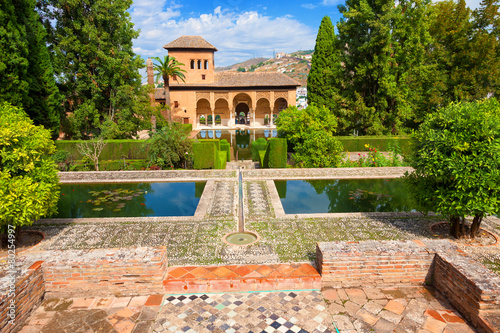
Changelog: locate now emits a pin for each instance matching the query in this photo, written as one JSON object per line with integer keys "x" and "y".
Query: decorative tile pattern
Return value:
{"x": 263, "y": 312}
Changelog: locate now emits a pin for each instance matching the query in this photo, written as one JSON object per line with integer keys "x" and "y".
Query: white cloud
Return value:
{"x": 237, "y": 35}
{"x": 308, "y": 6}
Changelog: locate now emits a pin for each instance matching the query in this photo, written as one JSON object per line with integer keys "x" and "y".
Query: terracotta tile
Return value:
{"x": 190, "y": 268}
{"x": 264, "y": 270}
{"x": 253, "y": 274}
{"x": 451, "y": 317}
{"x": 154, "y": 300}
{"x": 199, "y": 272}
{"x": 367, "y": 317}
{"x": 137, "y": 301}
{"x": 395, "y": 307}
{"x": 285, "y": 269}
{"x": 188, "y": 276}
{"x": 434, "y": 326}
{"x": 330, "y": 294}
{"x": 125, "y": 313}
{"x": 121, "y": 302}
{"x": 355, "y": 293}
{"x": 102, "y": 303}
{"x": 253, "y": 267}
{"x": 82, "y": 303}
{"x": 275, "y": 274}
{"x": 434, "y": 314}
{"x": 242, "y": 270}
{"x": 177, "y": 272}
{"x": 308, "y": 269}
{"x": 221, "y": 271}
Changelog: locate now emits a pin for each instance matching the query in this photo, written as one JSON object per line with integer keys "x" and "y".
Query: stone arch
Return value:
{"x": 203, "y": 109}
{"x": 222, "y": 110}
{"x": 263, "y": 108}
{"x": 242, "y": 103}
{"x": 192, "y": 64}
{"x": 279, "y": 105}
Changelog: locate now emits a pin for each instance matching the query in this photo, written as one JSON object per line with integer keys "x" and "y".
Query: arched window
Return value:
{"x": 192, "y": 64}
{"x": 206, "y": 64}
{"x": 199, "y": 64}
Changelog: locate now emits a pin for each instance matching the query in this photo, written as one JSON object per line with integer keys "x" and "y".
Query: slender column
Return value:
{"x": 231, "y": 113}
{"x": 271, "y": 122}
{"x": 252, "y": 116}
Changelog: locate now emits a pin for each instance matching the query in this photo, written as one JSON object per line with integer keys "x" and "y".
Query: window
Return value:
{"x": 203, "y": 76}
{"x": 176, "y": 104}
{"x": 206, "y": 64}
{"x": 199, "y": 64}
{"x": 192, "y": 64}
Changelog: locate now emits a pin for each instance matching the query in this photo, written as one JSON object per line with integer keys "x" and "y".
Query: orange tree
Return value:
{"x": 456, "y": 158}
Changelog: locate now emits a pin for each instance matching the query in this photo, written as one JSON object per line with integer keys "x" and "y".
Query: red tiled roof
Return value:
{"x": 189, "y": 42}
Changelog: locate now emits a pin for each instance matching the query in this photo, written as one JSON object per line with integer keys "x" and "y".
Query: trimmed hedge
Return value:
{"x": 382, "y": 143}
{"x": 114, "y": 149}
{"x": 262, "y": 156}
{"x": 276, "y": 153}
{"x": 221, "y": 161}
{"x": 256, "y": 146}
{"x": 215, "y": 141}
{"x": 225, "y": 146}
{"x": 205, "y": 155}
{"x": 187, "y": 127}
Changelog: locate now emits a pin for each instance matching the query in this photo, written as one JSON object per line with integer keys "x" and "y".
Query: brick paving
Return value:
{"x": 411, "y": 309}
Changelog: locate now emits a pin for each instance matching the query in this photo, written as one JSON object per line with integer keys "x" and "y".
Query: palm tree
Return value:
{"x": 167, "y": 68}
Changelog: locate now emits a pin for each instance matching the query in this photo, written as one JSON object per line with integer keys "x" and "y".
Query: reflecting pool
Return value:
{"x": 343, "y": 196}
{"x": 129, "y": 199}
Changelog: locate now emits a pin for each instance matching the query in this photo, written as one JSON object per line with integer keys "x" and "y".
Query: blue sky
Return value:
{"x": 239, "y": 29}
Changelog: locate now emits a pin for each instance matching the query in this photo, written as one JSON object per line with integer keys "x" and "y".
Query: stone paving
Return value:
{"x": 412, "y": 310}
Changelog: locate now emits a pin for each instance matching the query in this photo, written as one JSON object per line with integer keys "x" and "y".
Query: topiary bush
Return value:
{"x": 225, "y": 146}
{"x": 205, "y": 155}
{"x": 256, "y": 146}
{"x": 221, "y": 161}
{"x": 276, "y": 153}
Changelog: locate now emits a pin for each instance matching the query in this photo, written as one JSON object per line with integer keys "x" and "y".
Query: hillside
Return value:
{"x": 292, "y": 65}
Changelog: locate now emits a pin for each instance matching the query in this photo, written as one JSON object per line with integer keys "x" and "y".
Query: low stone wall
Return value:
{"x": 373, "y": 263}
{"x": 102, "y": 272}
{"x": 469, "y": 286}
{"x": 29, "y": 291}
{"x": 146, "y": 175}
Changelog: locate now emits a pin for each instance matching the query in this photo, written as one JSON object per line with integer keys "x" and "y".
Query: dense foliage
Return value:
{"x": 26, "y": 74}
{"x": 205, "y": 155}
{"x": 170, "y": 147}
{"x": 456, "y": 158}
{"x": 311, "y": 135}
{"x": 276, "y": 154}
{"x": 96, "y": 69}
{"x": 392, "y": 62}
{"x": 256, "y": 146}
{"x": 29, "y": 186}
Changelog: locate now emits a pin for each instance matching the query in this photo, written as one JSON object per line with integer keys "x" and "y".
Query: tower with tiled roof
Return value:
{"x": 197, "y": 55}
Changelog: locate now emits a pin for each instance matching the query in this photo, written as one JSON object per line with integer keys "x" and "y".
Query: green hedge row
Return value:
{"x": 221, "y": 161}
{"x": 109, "y": 165}
{"x": 382, "y": 143}
{"x": 276, "y": 153}
{"x": 205, "y": 156}
{"x": 256, "y": 146}
{"x": 114, "y": 149}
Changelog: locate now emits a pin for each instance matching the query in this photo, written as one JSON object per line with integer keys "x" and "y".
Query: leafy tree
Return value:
{"x": 386, "y": 74}
{"x": 29, "y": 186}
{"x": 97, "y": 71}
{"x": 241, "y": 69}
{"x": 167, "y": 68}
{"x": 167, "y": 147}
{"x": 26, "y": 75}
{"x": 456, "y": 158}
{"x": 325, "y": 66}
{"x": 319, "y": 150}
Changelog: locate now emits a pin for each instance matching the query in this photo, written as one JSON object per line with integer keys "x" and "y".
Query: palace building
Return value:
{"x": 208, "y": 99}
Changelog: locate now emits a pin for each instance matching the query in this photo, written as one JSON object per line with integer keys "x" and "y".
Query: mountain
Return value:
{"x": 296, "y": 65}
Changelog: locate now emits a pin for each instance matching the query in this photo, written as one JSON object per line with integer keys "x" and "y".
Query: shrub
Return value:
{"x": 170, "y": 147}
{"x": 319, "y": 150}
{"x": 205, "y": 155}
{"x": 456, "y": 157}
{"x": 276, "y": 153}
{"x": 262, "y": 156}
{"x": 225, "y": 146}
{"x": 256, "y": 146}
{"x": 221, "y": 162}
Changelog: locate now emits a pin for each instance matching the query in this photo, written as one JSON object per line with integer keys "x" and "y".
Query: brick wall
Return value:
{"x": 372, "y": 263}
{"x": 100, "y": 272}
{"x": 28, "y": 296}
{"x": 469, "y": 286}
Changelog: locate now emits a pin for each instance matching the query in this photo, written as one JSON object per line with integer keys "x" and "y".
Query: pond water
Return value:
{"x": 343, "y": 196}
{"x": 129, "y": 199}
{"x": 239, "y": 139}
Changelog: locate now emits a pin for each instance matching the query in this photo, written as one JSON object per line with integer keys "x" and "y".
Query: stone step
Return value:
{"x": 238, "y": 278}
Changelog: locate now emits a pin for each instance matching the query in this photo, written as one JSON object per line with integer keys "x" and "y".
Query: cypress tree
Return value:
{"x": 26, "y": 75}
{"x": 321, "y": 88}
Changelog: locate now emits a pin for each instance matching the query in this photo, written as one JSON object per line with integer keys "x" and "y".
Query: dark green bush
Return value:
{"x": 276, "y": 153}
{"x": 256, "y": 146}
{"x": 205, "y": 154}
{"x": 187, "y": 128}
